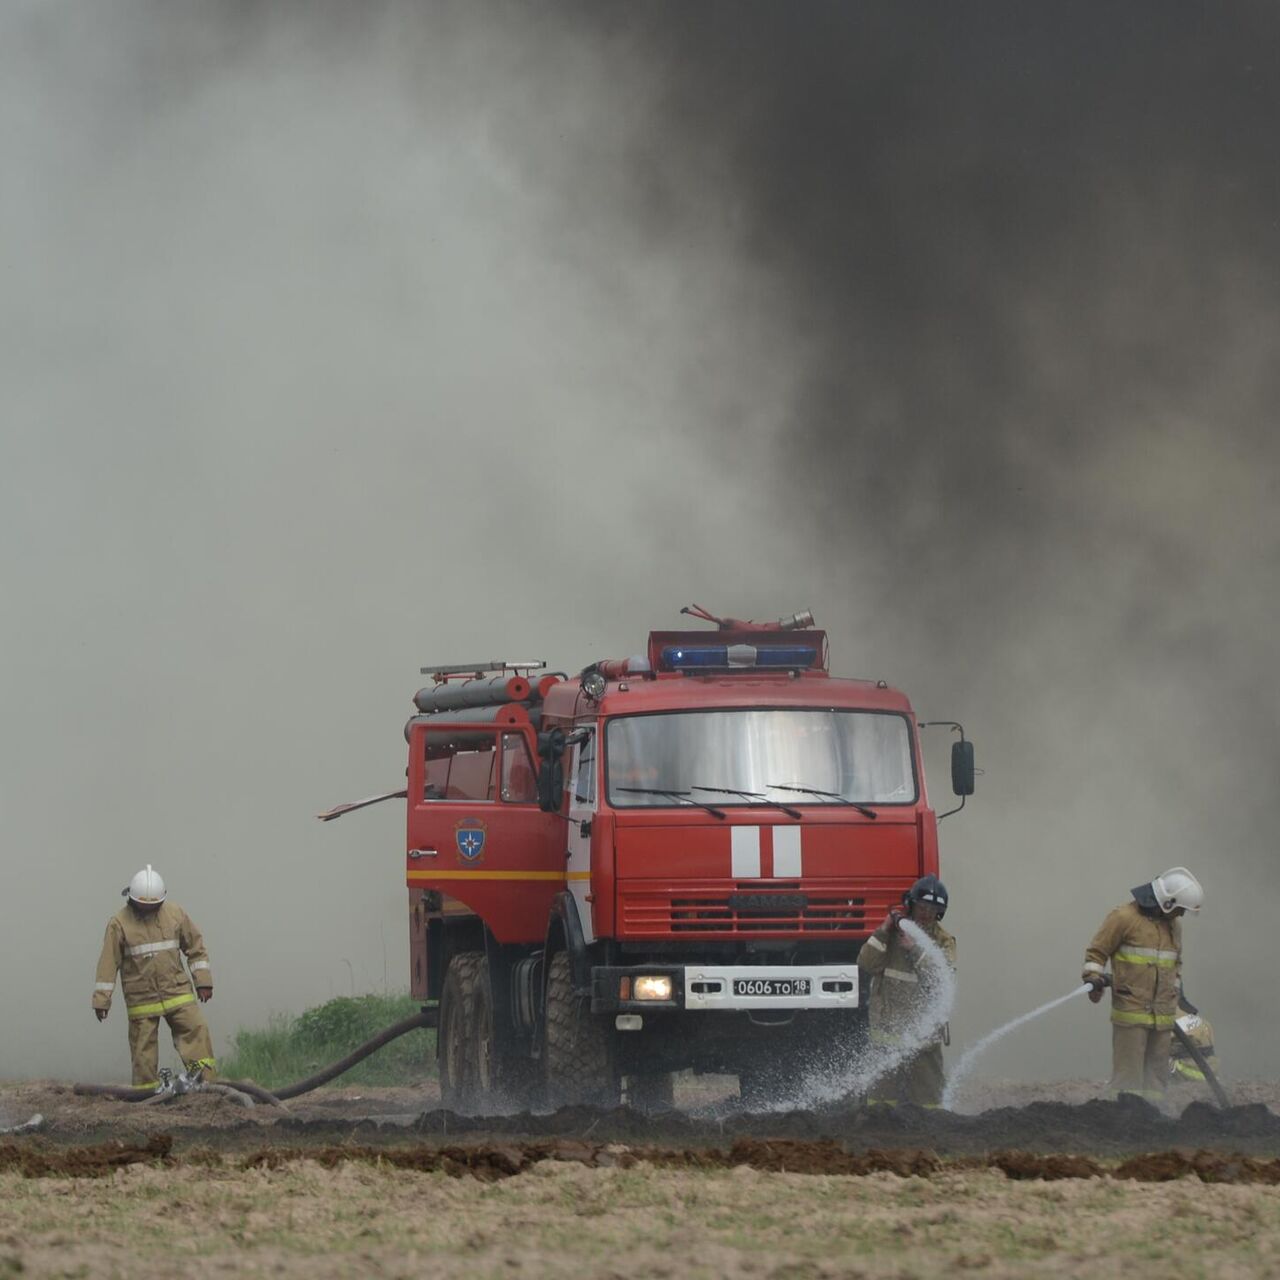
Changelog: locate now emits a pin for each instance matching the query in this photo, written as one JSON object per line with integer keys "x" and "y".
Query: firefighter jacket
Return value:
{"x": 147, "y": 950}
{"x": 897, "y": 991}
{"x": 1145, "y": 951}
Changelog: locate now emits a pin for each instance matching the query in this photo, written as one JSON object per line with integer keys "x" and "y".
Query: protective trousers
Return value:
{"x": 917, "y": 1080}
{"x": 190, "y": 1039}
{"x": 1140, "y": 1059}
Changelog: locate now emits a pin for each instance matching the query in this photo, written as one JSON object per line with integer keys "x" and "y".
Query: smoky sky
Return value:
{"x": 1027, "y": 261}
{"x": 339, "y": 340}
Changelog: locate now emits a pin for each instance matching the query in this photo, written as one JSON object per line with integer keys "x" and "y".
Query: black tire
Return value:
{"x": 652, "y": 1092}
{"x": 578, "y": 1059}
{"x": 465, "y": 1044}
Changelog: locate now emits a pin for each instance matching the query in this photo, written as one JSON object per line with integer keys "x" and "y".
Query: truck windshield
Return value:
{"x": 858, "y": 757}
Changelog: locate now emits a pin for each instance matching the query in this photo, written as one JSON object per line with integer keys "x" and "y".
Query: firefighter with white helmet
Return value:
{"x": 900, "y": 990}
{"x": 1142, "y": 941}
{"x": 145, "y": 942}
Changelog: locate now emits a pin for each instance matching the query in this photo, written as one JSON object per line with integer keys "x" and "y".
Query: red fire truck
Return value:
{"x": 665, "y": 862}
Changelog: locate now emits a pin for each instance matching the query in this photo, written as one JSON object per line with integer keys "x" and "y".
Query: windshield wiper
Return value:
{"x": 830, "y": 795}
{"x": 677, "y": 795}
{"x": 755, "y": 798}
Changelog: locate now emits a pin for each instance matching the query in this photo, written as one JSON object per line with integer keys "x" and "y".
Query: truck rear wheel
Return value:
{"x": 578, "y": 1055}
{"x": 465, "y": 1046}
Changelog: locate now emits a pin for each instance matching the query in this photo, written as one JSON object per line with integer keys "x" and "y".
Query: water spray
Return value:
{"x": 971, "y": 1054}
{"x": 856, "y": 1073}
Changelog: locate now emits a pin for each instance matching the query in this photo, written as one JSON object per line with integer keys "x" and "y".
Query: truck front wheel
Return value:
{"x": 465, "y": 1046}
{"x": 578, "y": 1053}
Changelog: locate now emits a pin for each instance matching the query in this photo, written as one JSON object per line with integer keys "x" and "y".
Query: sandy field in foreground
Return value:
{"x": 379, "y": 1182}
{"x": 564, "y": 1219}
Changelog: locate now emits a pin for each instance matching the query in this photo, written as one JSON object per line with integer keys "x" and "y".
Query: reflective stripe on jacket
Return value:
{"x": 146, "y": 951}
{"x": 1145, "y": 952}
{"x": 896, "y": 991}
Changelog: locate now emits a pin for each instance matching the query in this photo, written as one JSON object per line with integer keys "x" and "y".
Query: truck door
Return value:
{"x": 475, "y": 831}
{"x": 581, "y": 785}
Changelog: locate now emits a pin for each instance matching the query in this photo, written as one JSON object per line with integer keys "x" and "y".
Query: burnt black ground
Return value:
{"x": 1064, "y": 1117}
{"x": 1126, "y": 1127}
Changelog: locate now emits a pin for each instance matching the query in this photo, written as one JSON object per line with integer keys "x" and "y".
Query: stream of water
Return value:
{"x": 854, "y": 1073}
{"x": 962, "y": 1068}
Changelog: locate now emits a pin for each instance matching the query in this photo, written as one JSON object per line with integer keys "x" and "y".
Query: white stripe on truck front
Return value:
{"x": 745, "y": 849}
{"x": 786, "y": 853}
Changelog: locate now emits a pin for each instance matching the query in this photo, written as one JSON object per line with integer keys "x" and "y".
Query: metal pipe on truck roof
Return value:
{"x": 487, "y": 691}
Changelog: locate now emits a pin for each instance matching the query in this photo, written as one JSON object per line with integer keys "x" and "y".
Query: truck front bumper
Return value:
{"x": 716, "y": 987}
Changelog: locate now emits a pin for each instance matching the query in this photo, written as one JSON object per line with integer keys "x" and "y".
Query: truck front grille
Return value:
{"x": 783, "y": 908}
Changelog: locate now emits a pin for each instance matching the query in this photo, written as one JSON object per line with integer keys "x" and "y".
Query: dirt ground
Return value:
{"x": 562, "y": 1217}
{"x": 1038, "y": 1180}
{"x": 1068, "y": 1117}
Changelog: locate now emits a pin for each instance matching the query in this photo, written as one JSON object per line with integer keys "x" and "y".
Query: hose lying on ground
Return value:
{"x": 393, "y": 1032}
{"x": 254, "y": 1090}
{"x": 121, "y": 1092}
{"x": 230, "y": 1092}
{"x": 124, "y": 1093}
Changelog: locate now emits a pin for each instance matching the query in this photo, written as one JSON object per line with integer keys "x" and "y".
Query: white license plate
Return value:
{"x": 771, "y": 986}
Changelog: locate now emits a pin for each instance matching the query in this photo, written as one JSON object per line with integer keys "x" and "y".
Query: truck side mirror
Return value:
{"x": 962, "y": 769}
{"x": 550, "y": 769}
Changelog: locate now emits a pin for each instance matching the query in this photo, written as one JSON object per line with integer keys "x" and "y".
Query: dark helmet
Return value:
{"x": 928, "y": 889}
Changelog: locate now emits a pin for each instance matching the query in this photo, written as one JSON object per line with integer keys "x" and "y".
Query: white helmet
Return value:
{"x": 1177, "y": 887}
{"x": 146, "y": 888}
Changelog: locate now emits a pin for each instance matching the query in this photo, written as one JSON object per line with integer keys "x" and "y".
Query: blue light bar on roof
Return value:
{"x": 734, "y": 656}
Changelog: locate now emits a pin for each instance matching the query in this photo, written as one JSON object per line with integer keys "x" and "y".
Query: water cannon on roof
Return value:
{"x": 741, "y": 645}
{"x": 795, "y": 622}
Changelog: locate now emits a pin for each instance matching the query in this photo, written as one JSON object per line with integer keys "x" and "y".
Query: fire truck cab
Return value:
{"x": 666, "y": 862}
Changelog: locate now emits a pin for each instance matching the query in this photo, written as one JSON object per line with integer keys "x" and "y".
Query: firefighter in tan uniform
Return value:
{"x": 900, "y": 991}
{"x": 146, "y": 940}
{"x": 1143, "y": 942}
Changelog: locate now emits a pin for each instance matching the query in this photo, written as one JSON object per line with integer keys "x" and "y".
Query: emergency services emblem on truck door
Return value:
{"x": 469, "y": 836}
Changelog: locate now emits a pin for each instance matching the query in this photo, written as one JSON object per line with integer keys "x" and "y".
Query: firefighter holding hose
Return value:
{"x": 145, "y": 942}
{"x": 898, "y": 995}
{"x": 1142, "y": 940}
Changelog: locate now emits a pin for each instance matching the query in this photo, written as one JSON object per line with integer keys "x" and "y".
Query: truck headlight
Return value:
{"x": 651, "y": 986}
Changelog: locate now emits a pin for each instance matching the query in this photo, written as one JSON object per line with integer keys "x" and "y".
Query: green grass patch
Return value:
{"x": 292, "y": 1048}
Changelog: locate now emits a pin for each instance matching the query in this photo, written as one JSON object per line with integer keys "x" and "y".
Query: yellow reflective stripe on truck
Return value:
{"x": 161, "y": 1006}
{"x": 427, "y": 877}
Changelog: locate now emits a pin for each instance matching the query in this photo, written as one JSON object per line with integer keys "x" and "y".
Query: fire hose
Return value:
{"x": 1203, "y": 1063}
{"x": 171, "y": 1086}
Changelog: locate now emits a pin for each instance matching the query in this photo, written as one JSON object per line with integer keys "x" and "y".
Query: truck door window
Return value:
{"x": 519, "y": 782}
{"x": 584, "y": 784}
{"x": 460, "y": 769}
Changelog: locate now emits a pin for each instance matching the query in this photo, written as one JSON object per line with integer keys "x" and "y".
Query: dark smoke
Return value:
{"x": 1027, "y": 264}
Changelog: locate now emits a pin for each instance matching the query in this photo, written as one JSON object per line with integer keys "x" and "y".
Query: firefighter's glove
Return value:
{"x": 893, "y": 920}
{"x": 102, "y": 1014}
{"x": 205, "y": 994}
{"x": 1096, "y": 988}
